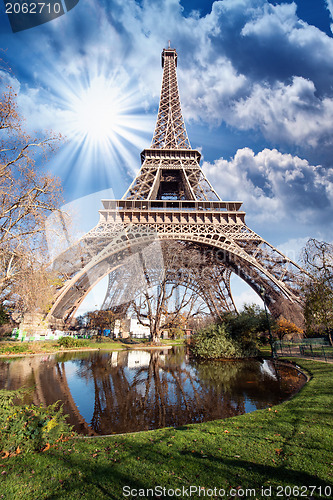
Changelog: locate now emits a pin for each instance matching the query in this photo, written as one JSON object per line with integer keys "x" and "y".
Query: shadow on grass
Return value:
{"x": 106, "y": 478}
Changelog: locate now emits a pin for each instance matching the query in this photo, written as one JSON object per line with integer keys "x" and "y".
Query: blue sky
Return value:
{"x": 256, "y": 86}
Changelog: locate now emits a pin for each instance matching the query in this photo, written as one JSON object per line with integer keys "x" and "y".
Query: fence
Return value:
{"x": 309, "y": 348}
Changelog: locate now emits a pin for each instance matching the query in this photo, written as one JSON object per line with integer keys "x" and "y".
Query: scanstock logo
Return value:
{"x": 25, "y": 14}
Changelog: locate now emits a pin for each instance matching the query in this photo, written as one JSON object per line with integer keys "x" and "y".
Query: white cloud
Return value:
{"x": 8, "y": 81}
{"x": 210, "y": 96}
{"x": 271, "y": 19}
{"x": 284, "y": 106}
{"x": 329, "y": 5}
{"x": 288, "y": 113}
{"x": 274, "y": 186}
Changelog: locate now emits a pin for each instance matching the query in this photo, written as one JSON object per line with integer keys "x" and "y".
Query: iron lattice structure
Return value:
{"x": 171, "y": 199}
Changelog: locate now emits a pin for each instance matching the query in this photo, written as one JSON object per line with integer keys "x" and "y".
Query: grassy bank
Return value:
{"x": 288, "y": 445}
{"x": 51, "y": 346}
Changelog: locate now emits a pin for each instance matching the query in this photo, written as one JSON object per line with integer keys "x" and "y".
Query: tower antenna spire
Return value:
{"x": 170, "y": 131}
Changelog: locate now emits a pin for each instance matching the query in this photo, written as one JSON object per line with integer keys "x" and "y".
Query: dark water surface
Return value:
{"x": 105, "y": 393}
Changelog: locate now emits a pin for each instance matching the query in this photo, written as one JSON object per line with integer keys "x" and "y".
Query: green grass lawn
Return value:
{"x": 289, "y": 445}
{"x": 50, "y": 346}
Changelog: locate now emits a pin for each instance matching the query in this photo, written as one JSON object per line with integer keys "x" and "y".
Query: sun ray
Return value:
{"x": 106, "y": 126}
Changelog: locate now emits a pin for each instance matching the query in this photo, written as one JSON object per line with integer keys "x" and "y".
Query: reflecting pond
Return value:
{"x": 126, "y": 391}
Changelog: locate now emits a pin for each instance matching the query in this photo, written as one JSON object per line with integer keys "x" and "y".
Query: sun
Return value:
{"x": 96, "y": 112}
{"x": 105, "y": 124}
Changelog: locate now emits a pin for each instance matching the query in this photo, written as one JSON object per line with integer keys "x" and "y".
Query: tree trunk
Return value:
{"x": 156, "y": 336}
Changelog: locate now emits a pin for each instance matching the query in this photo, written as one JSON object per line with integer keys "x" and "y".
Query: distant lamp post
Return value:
{"x": 262, "y": 293}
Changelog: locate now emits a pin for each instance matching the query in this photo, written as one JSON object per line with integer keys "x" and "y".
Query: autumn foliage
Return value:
{"x": 286, "y": 328}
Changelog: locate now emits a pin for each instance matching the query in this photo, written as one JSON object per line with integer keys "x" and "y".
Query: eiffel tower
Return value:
{"x": 171, "y": 201}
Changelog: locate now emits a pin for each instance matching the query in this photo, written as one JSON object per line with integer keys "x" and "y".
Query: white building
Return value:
{"x": 138, "y": 330}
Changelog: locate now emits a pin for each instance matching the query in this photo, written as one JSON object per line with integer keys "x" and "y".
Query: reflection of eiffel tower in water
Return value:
{"x": 171, "y": 199}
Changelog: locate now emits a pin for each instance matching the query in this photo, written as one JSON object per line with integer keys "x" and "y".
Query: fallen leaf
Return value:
{"x": 46, "y": 447}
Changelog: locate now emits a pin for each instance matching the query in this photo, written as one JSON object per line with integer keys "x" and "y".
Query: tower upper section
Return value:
{"x": 170, "y": 168}
{"x": 170, "y": 131}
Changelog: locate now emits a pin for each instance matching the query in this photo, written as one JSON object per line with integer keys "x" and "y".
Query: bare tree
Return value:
{"x": 317, "y": 259}
{"x": 27, "y": 196}
{"x": 101, "y": 319}
{"x": 168, "y": 295}
{"x": 33, "y": 287}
